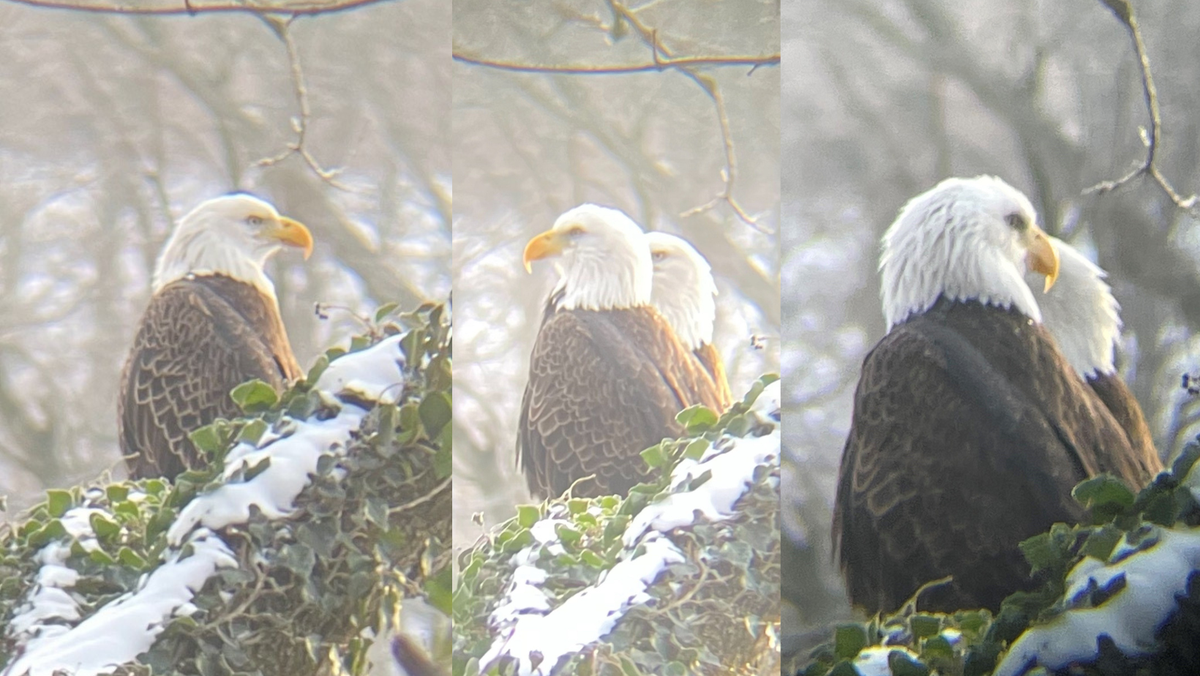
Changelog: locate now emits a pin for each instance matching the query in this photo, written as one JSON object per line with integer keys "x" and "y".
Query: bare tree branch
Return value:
{"x": 191, "y": 8}
{"x": 663, "y": 59}
{"x": 659, "y": 64}
{"x": 650, "y": 37}
{"x": 282, "y": 28}
{"x": 1124, "y": 11}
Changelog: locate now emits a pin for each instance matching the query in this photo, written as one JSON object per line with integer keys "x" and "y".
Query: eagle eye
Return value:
{"x": 575, "y": 231}
{"x": 1017, "y": 222}
{"x": 658, "y": 255}
{"x": 254, "y": 220}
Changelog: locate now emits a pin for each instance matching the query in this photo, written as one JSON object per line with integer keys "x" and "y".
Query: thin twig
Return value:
{"x": 729, "y": 174}
{"x": 190, "y": 8}
{"x": 446, "y": 483}
{"x": 1124, "y": 11}
{"x": 649, "y": 36}
{"x": 659, "y": 64}
{"x": 282, "y": 28}
{"x": 662, "y": 59}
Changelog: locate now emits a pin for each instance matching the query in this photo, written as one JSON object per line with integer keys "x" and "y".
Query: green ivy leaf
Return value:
{"x": 435, "y": 412}
{"x": 527, "y": 515}
{"x": 1103, "y": 493}
{"x": 654, "y": 456}
{"x": 696, "y": 448}
{"x": 923, "y": 625}
{"x": 849, "y": 640}
{"x": 253, "y": 431}
{"x": 568, "y": 534}
{"x": 696, "y": 419}
{"x": 901, "y": 664}
{"x": 105, "y": 529}
{"x": 443, "y": 459}
{"x": 254, "y": 396}
{"x": 385, "y": 310}
{"x": 52, "y": 530}
{"x": 58, "y": 502}
{"x": 319, "y": 365}
{"x": 206, "y": 439}
{"x": 131, "y": 558}
{"x": 438, "y": 590}
{"x": 119, "y": 492}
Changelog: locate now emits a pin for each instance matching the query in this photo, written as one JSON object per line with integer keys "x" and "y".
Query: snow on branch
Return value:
{"x": 681, "y": 575}
{"x": 315, "y": 507}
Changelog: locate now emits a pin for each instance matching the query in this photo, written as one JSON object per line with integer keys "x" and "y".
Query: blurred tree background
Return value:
{"x": 884, "y": 99}
{"x": 111, "y": 128}
{"x": 530, "y": 145}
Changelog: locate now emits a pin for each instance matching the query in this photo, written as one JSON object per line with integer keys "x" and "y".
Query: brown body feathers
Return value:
{"x": 603, "y": 386}
{"x": 200, "y": 337}
{"x": 969, "y": 432}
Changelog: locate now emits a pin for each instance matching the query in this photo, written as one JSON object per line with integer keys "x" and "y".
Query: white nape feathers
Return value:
{"x": 684, "y": 291}
{"x": 965, "y": 239}
{"x": 1081, "y": 312}
{"x": 233, "y": 235}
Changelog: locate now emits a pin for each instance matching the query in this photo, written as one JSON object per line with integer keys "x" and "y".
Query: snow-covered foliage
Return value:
{"x": 323, "y": 508}
{"x": 1121, "y": 594}
{"x": 680, "y": 577}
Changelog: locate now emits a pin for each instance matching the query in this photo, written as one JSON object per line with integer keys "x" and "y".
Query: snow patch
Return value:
{"x": 731, "y": 463}
{"x": 117, "y": 632}
{"x": 873, "y": 661}
{"x": 374, "y": 374}
{"x": 538, "y": 638}
{"x": 1153, "y": 575}
{"x": 581, "y": 619}
{"x": 369, "y": 374}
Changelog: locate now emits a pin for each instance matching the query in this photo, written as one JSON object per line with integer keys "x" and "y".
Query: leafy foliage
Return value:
{"x": 716, "y": 612}
{"x": 972, "y": 642}
{"x": 372, "y": 528}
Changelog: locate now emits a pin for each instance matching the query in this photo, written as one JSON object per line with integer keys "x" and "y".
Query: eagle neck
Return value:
{"x": 604, "y": 282}
{"x": 198, "y": 253}
{"x": 1082, "y": 314}
{"x": 917, "y": 273}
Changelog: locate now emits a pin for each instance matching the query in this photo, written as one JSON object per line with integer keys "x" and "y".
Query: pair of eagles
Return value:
{"x": 608, "y": 372}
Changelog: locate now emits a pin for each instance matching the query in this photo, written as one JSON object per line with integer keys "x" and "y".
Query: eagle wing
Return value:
{"x": 1119, "y": 400}
{"x": 711, "y": 360}
{"x": 952, "y": 460}
{"x": 603, "y": 386}
{"x": 194, "y": 345}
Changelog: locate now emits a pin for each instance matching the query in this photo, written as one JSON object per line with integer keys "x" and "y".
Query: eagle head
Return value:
{"x": 232, "y": 235}
{"x": 965, "y": 239}
{"x": 684, "y": 291}
{"x": 601, "y": 256}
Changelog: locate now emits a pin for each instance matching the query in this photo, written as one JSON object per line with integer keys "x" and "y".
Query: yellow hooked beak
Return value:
{"x": 549, "y": 243}
{"x": 1043, "y": 257}
{"x": 291, "y": 233}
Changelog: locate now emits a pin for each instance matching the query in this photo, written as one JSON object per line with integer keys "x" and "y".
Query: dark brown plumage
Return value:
{"x": 603, "y": 386}
{"x": 200, "y": 337}
{"x": 212, "y": 323}
{"x": 1123, "y": 406}
{"x": 970, "y": 431}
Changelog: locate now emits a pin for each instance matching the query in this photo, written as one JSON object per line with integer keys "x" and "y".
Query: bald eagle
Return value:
{"x": 1084, "y": 318}
{"x": 213, "y": 323}
{"x": 969, "y": 428}
{"x": 685, "y": 293}
{"x": 607, "y": 375}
